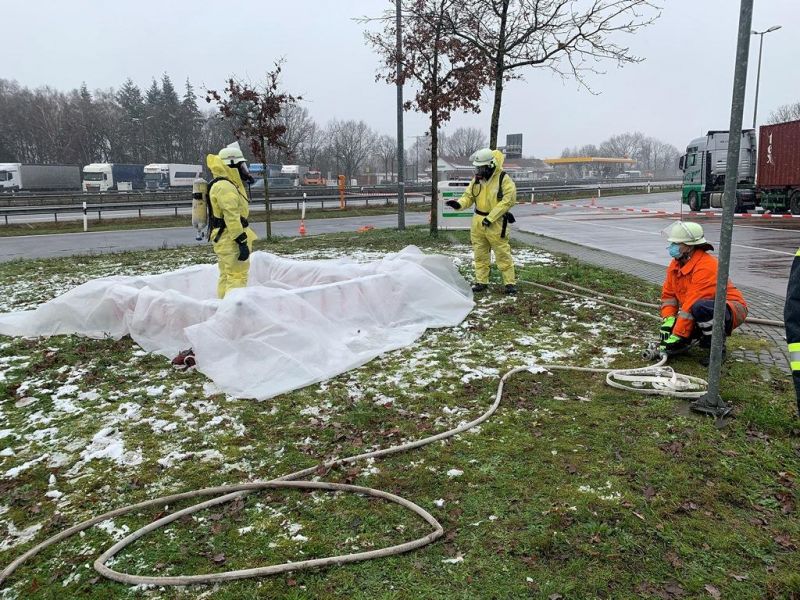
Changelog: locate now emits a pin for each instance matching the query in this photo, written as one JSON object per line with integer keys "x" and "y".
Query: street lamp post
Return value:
{"x": 758, "y": 76}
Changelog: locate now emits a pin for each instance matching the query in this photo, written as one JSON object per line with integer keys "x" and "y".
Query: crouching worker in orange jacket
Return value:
{"x": 687, "y": 296}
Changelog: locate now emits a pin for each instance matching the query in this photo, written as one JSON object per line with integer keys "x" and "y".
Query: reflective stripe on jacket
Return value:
{"x": 791, "y": 317}
{"x": 696, "y": 280}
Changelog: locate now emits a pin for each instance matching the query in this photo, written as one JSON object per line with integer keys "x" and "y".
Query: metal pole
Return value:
{"x": 401, "y": 175}
{"x": 712, "y": 403}
{"x": 758, "y": 77}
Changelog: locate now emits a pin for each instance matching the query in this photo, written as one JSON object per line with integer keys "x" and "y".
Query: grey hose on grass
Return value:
{"x": 750, "y": 320}
{"x": 663, "y": 381}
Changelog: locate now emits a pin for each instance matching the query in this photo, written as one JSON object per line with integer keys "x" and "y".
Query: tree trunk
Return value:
{"x": 498, "y": 98}
{"x": 499, "y": 70}
{"x": 434, "y": 229}
{"x": 267, "y": 205}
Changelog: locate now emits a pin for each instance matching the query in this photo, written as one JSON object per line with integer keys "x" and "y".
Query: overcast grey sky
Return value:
{"x": 682, "y": 89}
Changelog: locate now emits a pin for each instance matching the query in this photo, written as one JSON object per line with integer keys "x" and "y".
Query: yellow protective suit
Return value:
{"x": 483, "y": 195}
{"x": 229, "y": 202}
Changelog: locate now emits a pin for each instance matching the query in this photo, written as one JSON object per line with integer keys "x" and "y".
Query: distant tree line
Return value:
{"x": 48, "y": 126}
{"x": 650, "y": 154}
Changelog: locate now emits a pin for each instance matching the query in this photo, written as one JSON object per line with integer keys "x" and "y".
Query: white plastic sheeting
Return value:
{"x": 297, "y": 322}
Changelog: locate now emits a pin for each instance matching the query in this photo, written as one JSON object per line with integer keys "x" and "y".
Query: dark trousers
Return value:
{"x": 703, "y": 313}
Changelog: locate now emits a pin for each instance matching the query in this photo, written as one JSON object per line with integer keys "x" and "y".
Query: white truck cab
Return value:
{"x": 156, "y": 176}
{"x": 97, "y": 177}
{"x": 9, "y": 177}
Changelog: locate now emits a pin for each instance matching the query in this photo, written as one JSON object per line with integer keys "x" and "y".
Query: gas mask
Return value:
{"x": 244, "y": 173}
{"x": 484, "y": 172}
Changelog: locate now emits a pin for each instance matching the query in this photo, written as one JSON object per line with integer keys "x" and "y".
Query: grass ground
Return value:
{"x": 572, "y": 490}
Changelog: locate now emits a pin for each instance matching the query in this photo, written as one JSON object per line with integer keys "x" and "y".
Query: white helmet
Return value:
{"x": 232, "y": 155}
{"x": 482, "y": 157}
{"x": 687, "y": 233}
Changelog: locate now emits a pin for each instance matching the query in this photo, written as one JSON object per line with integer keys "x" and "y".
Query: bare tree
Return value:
{"x": 569, "y": 37}
{"x": 311, "y": 147}
{"x": 351, "y": 143}
{"x": 448, "y": 72}
{"x": 254, "y": 112}
{"x": 386, "y": 150}
{"x": 299, "y": 125}
{"x": 623, "y": 145}
{"x": 465, "y": 140}
{"x": 787, "y": 112}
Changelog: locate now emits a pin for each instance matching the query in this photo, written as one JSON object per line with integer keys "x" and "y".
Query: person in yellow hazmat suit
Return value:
{"x": 493, "y": 193}
{"x": 229, "y": 230}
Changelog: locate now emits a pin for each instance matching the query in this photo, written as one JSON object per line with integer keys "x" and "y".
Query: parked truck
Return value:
{"x": 778, "y": 180}
{"x": 774, "y": 187}
{"x": 15, "y": 177}
{"x": 704, "y": 166}
{"x": 102, "y": 177}
{"x": 294, "y": 172}
{"x": 313, "y": 178}
{"x": 164, "y": 176}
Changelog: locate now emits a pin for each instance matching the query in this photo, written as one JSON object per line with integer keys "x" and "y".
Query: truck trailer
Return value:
{"x": 778, "y": 179}
{"x": 15, "y": 177}
{"x": 163, "y": 176}
{"x": 295, "y": 173}
{"x": 102, "y": 177}
{"x": 704, "y": 166}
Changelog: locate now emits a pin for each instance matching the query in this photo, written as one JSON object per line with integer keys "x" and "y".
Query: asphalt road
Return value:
{"x": 761, "y": 255}
{"x": 762, "y": 251}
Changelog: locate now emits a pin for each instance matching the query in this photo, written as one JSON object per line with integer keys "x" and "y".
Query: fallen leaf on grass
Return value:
{"x": 674, "y": 560}
{"x": 649, "y": 492}
{"x": 219, "y": 558}
{"x": 713, "y": 592}
{"x": 674, "y": 590}
{"x": 673, "y": 448}
{"x": 784, "y": 541}
{"x": 739, "y": 577}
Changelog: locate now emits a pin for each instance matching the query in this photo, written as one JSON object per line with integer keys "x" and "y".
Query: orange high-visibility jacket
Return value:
{"x": 696, "y": 280}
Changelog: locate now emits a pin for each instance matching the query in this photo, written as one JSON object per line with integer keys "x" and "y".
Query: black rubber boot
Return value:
{"x": 480, "y": 287}
{"x": 511, "y": 289}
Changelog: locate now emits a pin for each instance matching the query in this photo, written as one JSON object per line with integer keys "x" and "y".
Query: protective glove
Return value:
{"x": 675, "y": 344}
{"x": 666, "y": 328}
{"x": 453, "y": 204}
{"x": 486, "y": 222}
{"x": 244, "y": 251}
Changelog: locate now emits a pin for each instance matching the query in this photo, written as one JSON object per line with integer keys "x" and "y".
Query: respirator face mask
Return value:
{"x": 244, "y": 173}
{"x": 484, "y": 172}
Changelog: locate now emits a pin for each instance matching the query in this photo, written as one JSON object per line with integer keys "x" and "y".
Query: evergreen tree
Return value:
{"x": 190, "y": 123}
{"x": 131, "y": 127}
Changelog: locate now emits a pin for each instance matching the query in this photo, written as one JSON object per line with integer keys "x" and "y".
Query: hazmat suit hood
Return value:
{"x": 220, "y": 169}
{"x": 499, "y": 159}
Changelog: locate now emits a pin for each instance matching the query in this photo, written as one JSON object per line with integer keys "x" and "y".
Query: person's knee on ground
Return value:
{"x": 703, "y": 314}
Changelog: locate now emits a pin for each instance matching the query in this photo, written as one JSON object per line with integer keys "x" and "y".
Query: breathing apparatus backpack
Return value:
{"x": 203, "y": 219}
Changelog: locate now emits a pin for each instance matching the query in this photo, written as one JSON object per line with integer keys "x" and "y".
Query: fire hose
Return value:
{"x": 656, "y": 379}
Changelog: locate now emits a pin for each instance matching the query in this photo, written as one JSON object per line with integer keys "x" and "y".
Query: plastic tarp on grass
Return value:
{"x": 298, "y": 321}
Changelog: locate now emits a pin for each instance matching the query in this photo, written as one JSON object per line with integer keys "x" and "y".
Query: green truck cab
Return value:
{"x": 704, "y": 166}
